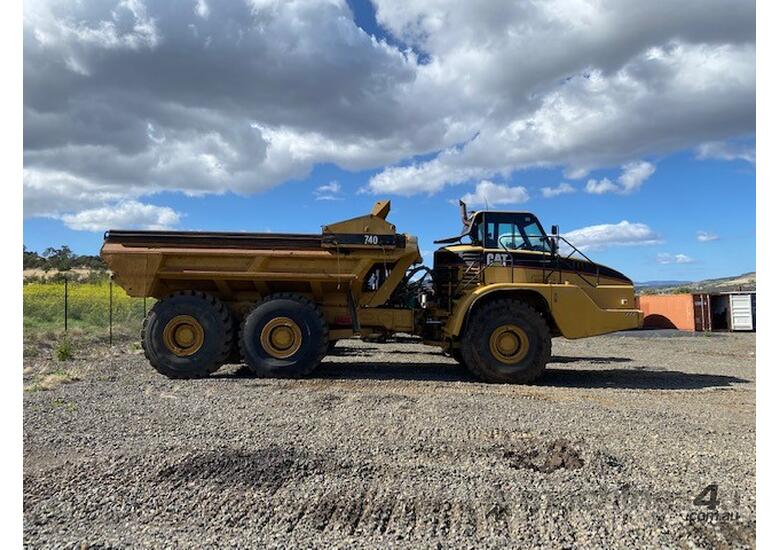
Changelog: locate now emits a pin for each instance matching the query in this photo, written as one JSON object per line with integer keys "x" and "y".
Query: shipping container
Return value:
{"x": 734, "y": 311}
{"x": 668, "y": 311}
{"x": 743, "y": 311}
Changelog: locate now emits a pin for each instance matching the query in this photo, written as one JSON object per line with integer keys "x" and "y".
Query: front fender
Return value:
{"x": 575, "y": 314}
{"x": 463, "y": 306}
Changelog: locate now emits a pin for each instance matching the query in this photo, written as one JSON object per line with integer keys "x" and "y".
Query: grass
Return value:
{"x": 88, "y": 317}
{"x": 50, "y": 381}
{"x": 64, "y": 351}
{"x": 88, "y": 322}
{"x": 88, "y": 305}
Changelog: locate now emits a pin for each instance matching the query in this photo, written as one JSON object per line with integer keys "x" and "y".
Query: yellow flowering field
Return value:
{"x": 88, "y": 306}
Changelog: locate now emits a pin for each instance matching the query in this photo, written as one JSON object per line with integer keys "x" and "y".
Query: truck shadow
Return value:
{"x": 372, "y": 351}
{"x": 636, "y": 379}
{"x": 632, "y": 378}
{"x": 619, "y": 378}
{"x": 596, "y": 360}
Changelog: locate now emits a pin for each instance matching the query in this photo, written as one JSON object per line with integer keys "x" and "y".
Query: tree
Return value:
{"x": 61, "y": 259}
{"x": 31, "y": 259}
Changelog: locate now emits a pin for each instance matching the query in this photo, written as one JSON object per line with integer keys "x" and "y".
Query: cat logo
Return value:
{"x": 501, "y": 259}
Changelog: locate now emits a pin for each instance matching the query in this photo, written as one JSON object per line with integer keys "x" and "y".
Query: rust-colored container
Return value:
{"x": 681, "y": 311}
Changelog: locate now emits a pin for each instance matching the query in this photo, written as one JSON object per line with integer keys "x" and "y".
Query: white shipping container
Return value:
{"x": 742, "y": 312}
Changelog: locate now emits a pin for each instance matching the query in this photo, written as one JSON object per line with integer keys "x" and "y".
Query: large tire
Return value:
{"x": 205, "y": 333}
{"x": 506, "y": 341}
{"x": 285, "y": 336}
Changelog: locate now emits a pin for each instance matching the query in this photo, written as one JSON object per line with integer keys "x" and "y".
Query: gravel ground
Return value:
{"x": 395, "y": 445}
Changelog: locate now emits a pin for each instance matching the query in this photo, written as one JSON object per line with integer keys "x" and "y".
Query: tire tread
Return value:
{"x": 480, "y": 319}
{"x": 223, "y": 314}
{"x": 322, "y": 346}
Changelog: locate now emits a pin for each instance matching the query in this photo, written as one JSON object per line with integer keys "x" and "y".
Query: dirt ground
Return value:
{"x": 395, "y": 445}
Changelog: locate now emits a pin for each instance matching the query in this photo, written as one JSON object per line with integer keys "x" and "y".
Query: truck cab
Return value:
{"x": 504, "y": 255}
{"x": 508, "y": 231}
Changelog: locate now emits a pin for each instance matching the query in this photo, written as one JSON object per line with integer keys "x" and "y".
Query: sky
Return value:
{"x": 630, "y": 125}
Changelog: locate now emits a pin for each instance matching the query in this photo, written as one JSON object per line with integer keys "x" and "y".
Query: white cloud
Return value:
{"x": 601, "y": 236}
{"x": 602, "y": 186}
{"x": 202, "y": 9}
{"x": 634, "y": 175}
{"x": 328, "y": 192}
{"x": 562, "y": 189}
{"x": 132, "y": 133}
{"x": 665, "y": 258}
{"x": 125, "y": 215}
{"x": 493, "y": 194}
{"x": 706, "y": 236}
{"x": 332, "y": 187}
{"x": 631, "y": 179}
{"x": 722, "y": 150}
{"x": 110, "y": 108}
{"x": 123, "y": 26}
{"x": 661, "y": 100}
{"x": 427, "y": 177}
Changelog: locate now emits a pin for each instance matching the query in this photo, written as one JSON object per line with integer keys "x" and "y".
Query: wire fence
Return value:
{"x": 88, "y": 306}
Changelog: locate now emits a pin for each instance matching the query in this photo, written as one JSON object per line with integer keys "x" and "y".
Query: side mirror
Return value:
{"x": 554, "y": 230}
{"x": 553, "y": 239}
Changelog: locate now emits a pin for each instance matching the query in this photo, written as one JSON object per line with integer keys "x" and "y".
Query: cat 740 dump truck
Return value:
{"x": 496, "y": 295}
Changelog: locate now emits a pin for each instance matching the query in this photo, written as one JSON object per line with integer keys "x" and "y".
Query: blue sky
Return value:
{"x": 684, "y": 196}
{"x": 406, "y": 115}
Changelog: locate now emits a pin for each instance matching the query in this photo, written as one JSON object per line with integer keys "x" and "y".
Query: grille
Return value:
{"x": 455, "y": 273}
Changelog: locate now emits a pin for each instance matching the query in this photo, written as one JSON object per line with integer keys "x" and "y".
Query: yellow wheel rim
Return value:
{"x": 281, "y": 337}
{"x": 183, "y": 335}
{"x": 509, "y": 344}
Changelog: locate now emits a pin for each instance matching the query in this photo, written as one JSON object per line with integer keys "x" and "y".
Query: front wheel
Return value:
{"x": 506, "y": 341}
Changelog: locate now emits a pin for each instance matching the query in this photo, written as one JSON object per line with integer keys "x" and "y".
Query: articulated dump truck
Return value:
{"x": 498, "y": 292}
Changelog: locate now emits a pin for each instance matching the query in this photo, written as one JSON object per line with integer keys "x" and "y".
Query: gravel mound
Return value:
{"x": 545, "y": 458}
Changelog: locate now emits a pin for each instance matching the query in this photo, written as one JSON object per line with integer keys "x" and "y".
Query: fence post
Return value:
{"x": 66, "y": 304}
{"x": 110, "y": 310}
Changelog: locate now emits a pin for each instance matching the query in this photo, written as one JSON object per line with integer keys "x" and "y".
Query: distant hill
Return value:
{"x": 746, "y": 281}
{"x": 660, "y": 284}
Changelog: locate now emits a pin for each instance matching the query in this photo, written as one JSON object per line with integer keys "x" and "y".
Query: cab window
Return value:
{"x": 514, "y": 232}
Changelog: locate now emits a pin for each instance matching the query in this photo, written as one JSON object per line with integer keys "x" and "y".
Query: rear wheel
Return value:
{"x": 506, "y": 341}
{"x": 285, "y": 336}
{"x": 187, "y": 335}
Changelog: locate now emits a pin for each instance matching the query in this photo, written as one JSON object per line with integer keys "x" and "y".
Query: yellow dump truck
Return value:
{"x": 496, "y": 295}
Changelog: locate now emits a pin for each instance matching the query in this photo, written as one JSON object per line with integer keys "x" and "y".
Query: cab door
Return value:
{"x": 516, "y": 249}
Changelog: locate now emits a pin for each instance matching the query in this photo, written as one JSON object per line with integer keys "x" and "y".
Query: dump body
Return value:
{"x": 352, "y": 266}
